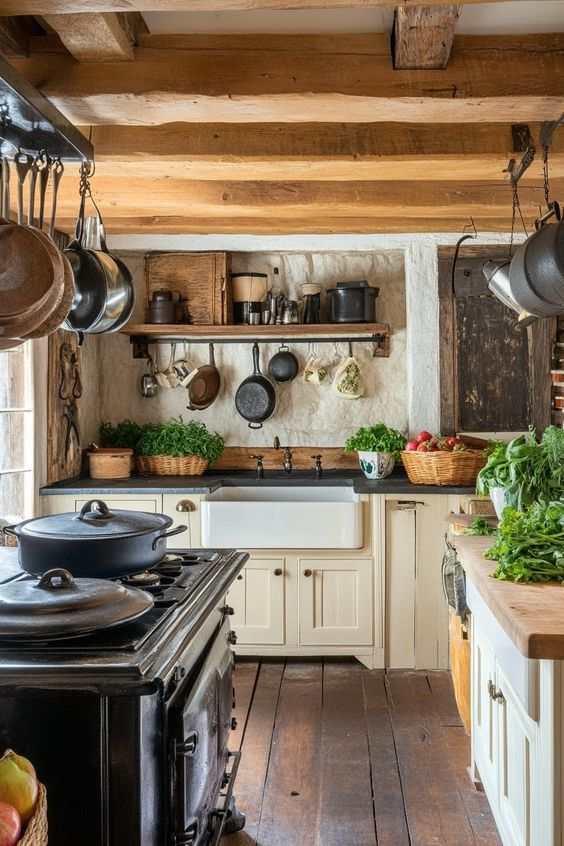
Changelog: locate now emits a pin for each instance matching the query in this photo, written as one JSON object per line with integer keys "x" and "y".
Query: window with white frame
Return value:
{"x": 16, "y": 434}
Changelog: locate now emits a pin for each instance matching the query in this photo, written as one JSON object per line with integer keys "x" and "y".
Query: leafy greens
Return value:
{"x": 530, "y": 544}
{"x": 178, "y": 438}
{"x": 377, "y": 438}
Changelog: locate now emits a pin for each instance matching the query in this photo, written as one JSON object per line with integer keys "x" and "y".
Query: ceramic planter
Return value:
{"x": 376, "y": 465}
{"x": 499, "y": 500}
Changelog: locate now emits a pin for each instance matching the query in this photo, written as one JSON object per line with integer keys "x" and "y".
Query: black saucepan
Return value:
{"x": 255, "y": 399}
{"x": 96, "y": 542}
{"x": 283, "y": 366}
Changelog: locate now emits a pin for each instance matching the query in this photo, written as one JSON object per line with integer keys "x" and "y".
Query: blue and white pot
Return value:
{"x": 376, "y": 465}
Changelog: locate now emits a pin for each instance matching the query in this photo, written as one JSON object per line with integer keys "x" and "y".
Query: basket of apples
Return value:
{"x": 23, "y": 803}
{"x": 436, "y": 460}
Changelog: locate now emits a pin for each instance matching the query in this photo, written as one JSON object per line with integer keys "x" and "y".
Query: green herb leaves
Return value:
{"x": 377, "y": 438}
{"x": 530, "y": 544}
{"x": 178, "y": 438}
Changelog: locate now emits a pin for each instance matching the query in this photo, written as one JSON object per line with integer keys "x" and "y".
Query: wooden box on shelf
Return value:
{"x": 203, "y": 281}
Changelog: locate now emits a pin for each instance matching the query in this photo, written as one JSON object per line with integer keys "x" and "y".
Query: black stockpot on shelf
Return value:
{"x": 352, "y": 302}
{"x": 96, "y": 542}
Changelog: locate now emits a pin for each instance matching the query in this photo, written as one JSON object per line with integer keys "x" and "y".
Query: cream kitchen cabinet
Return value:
{"x": 335, "y": 602}
{"x": 507, "y": 741}
{"x": 258, "y": 599}
{"x": 74, "y": 502}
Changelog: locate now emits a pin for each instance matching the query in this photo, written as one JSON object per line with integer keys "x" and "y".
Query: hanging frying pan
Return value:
{"x": 255, "y": 399}
{"x": 204, "y": 385}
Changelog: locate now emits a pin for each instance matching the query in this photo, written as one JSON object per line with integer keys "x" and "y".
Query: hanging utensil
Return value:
{"x": 45, "y": 169}
{"x": 283, "y": 366}
{"x": 23, "y": 164}
{"x": 58, "y": 606}
{"x": 203, "y": 386}
{"x": 255, "y": 399}
{"x": 32, "y": 185}
{"x": 5, "y": 189}
{"x": 57, "y": 171}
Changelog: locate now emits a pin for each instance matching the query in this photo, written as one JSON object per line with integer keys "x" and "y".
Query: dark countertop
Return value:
{"x": 397, "y": 483}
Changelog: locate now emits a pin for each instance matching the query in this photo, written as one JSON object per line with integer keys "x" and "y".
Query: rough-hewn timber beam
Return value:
{"x": 288, "y": 79}
{"x": 334, "y": 152}
{"x": 14, "y": 36}
{"x": 107, "y": 37}
{"x": 50, "y": 7}
{"x": 423, "y": 36}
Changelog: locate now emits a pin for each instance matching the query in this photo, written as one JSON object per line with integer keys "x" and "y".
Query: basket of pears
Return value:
{"x": 23, "y": 803}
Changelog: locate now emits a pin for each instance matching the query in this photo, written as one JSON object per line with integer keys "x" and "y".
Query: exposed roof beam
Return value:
{"x": 423, "y": 36}
{"x": 294, "y": 79}
{"x": 50, "y": 7}
{"x": 314, "y": 152}
{"x": 14, "y": 36}
{"x": 107, "y": 37}
{"x": 128, "y": 198}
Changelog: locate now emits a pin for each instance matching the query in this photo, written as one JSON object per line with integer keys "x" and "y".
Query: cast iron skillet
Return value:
{"x": 283, "y": 366}
{"x": 255, "y": 399}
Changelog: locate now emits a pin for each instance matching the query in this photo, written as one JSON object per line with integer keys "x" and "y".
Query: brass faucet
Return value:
{"x": 287, "y": 464}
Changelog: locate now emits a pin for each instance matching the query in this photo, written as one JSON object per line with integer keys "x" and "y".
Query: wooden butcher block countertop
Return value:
{"x": 531, "y": 614}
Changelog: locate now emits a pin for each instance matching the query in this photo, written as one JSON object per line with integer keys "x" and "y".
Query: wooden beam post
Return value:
{"x": 423, "y": 36}
{"x": 107, "y": 37}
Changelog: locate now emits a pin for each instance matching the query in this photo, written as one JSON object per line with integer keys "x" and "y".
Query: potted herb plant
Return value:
{"x": 378, "y": 447}
{"x": 176, "y": 448}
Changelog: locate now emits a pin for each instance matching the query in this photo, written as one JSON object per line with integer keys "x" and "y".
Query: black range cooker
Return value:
{"x": 128, "y": 728}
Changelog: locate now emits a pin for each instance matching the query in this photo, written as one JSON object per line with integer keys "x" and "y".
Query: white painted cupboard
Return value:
{"x": 382, "y": 603}
{"x": 516, "y": 726}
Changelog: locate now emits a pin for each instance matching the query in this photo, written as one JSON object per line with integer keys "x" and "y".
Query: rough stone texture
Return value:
{"x": 306, "y": 414}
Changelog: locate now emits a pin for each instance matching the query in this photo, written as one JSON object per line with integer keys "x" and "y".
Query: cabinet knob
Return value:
{"x": 278, "y": 571}
{"x": 185, "y": 505}
{"x": 494, "y": 693}
{"x": 308, "y": 573}
{"x": 240, "y": 577}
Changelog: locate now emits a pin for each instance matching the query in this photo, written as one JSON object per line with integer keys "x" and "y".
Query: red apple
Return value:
{"x": 18, "y": 784}
{"x": 411, "y": 446}
{"x": 10, "y": 825}
{"x": 423, "y": 436}
{"x": 423, "y": 446}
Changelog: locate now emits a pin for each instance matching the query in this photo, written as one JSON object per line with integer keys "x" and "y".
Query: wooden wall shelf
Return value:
{"x": 143, "y": 334}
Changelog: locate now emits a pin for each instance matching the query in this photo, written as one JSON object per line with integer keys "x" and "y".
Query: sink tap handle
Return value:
{"x": 318, "y": 467}
{"x": 287, "y": 459}
{"x": 276, "y": 443}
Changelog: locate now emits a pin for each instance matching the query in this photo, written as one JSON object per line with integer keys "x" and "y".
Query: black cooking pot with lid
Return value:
{"x": 352, "y": 302}
{"x": 57, "y": 606}
{"x": 95, "y": 542}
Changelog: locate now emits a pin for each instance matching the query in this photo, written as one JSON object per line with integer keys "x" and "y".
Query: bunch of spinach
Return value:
{"x": 175, "y": 437}
{"x": 377, "y": 438}
{"x": 530, "y": 544}
{"x": 528, "y": 470}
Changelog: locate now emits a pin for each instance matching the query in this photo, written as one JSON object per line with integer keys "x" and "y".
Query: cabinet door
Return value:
{"x": 516, "y": 739}
{"x": 336, "y": 602}
{"x": 126, "y": 503}
{"x": 484, "y": 713}
{"x": 257, "y": 596}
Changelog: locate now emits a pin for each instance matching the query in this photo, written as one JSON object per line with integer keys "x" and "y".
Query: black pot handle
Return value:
{"x": 553, "y": 211}
{"x": 255, "y": 425}
{"x": 100, "y": 512}
{"x": 256, "y": 360}
{"x": 176, "y": 531}
{"x": 46, "y": 582}
{"x": 10, "y": 530}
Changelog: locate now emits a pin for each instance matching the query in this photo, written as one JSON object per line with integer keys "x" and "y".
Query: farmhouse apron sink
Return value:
{"x": 283, "y": 518}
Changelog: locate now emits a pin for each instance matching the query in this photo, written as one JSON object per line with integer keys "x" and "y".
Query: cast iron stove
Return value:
{"x": 129, "y": 728}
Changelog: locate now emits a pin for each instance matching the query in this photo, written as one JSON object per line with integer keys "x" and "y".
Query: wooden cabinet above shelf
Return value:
{"x": 142, "y": 334}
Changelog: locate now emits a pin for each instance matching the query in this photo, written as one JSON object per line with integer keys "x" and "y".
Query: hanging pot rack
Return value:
{"x": 29, "y": 123}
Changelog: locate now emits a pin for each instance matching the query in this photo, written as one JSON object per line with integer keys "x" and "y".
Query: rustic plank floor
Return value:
{"x": 337, "y": 755}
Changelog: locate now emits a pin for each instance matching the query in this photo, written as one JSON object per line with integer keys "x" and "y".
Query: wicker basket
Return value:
{"x": 171, "y": 465}
{"x": 444, "y": 468}
{"x": 36, "y": 830}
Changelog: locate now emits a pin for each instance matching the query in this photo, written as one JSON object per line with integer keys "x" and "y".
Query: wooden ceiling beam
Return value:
{"x": 15, "y": 34}
{"x": 50, "y": 7}
{"x": 105, "y": 37}
{"x": 313, "y": 152}
{"x": 423, "y": 36}
{"x": 295, "y": 79}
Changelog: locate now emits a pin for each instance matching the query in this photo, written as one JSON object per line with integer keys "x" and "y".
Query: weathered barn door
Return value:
{"x": 495, "y": 377}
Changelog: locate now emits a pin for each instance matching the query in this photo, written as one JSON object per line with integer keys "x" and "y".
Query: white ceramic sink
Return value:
{"x": 282, "y": 518}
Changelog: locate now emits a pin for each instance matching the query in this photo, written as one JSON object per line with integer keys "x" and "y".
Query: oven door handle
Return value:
{"x": 220, "y": 814}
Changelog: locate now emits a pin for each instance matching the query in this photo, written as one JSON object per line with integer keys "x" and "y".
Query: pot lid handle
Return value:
{"x": 94, "y": 509}
{"x": 56, "y": 579}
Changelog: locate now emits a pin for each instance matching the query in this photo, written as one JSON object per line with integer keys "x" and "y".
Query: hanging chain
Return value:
{"x": 545, "y": 150}
{"x": 87, "y": 170}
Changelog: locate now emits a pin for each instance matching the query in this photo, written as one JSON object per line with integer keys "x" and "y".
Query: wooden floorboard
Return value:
{"x": 337, "y": 755}
{"x": 244, "y": 681}
{"x": 346, "y": 813}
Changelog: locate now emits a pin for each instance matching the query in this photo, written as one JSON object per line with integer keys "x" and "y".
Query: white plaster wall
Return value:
{"x": 306, "y": 414}
{"x": 422, "y": 303}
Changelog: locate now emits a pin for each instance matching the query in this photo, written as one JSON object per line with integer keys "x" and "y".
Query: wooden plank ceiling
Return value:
{"x": 371, "y": 132}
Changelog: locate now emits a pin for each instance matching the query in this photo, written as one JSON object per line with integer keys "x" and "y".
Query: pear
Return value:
{"x": 18, "y": 784}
